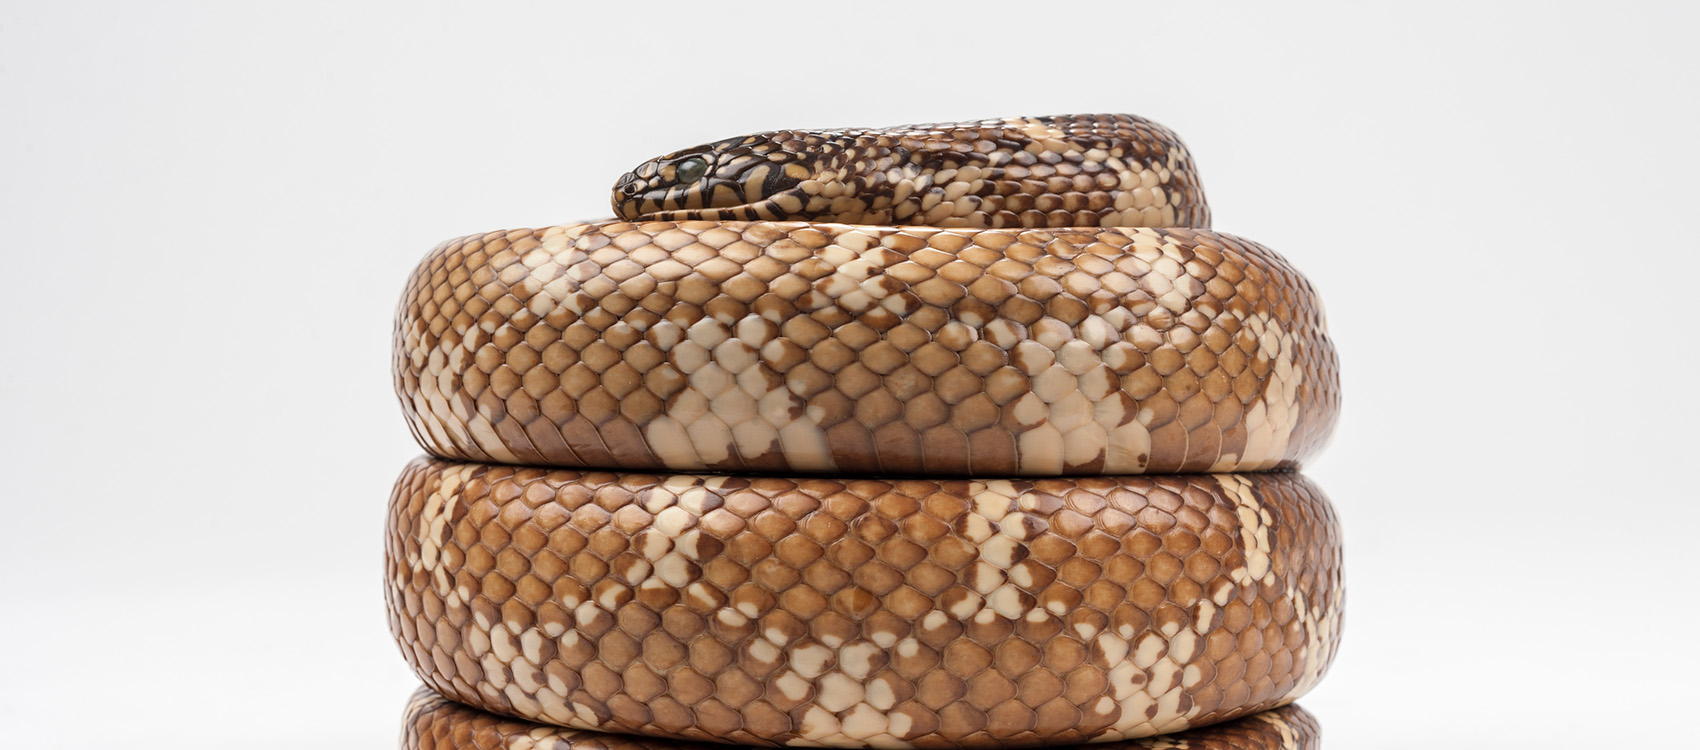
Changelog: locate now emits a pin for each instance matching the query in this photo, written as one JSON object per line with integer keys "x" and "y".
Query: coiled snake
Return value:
{"x": 899, "y": 341}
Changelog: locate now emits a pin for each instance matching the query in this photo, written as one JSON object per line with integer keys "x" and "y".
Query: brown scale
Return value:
{"x": 436, "y": 723}
{"x": 873, "y": 612}
{"x": 796, "y": 347}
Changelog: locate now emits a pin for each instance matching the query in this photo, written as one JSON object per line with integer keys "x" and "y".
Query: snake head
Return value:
{"x": 759, "y": 176}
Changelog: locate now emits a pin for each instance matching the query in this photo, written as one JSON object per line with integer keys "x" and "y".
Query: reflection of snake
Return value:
{"x": 1064, "y": 313}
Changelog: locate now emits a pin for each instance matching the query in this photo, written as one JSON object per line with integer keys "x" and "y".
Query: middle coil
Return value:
{"x": 863, "y": 612}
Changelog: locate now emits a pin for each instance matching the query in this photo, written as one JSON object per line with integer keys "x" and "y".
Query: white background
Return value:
{"x": 208, "y": 211}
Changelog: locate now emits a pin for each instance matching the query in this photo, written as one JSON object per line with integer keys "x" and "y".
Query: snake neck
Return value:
{"x": 880, "y": 178}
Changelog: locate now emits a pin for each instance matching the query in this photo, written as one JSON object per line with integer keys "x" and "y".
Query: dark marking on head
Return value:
{"x": 735, "y": 178}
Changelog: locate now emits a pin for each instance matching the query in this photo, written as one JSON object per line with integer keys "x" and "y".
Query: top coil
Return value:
{"x": 997, "y": 343}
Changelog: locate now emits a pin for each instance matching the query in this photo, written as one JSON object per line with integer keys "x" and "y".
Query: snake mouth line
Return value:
{"x": 752, "y": 212}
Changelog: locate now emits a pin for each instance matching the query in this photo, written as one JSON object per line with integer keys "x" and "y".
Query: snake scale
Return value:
{"x": 957, "y": 435}
{"x": 436, "y": 723}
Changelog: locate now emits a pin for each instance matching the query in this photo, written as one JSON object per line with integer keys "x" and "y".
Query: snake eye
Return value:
{"x": 690, "y": 170}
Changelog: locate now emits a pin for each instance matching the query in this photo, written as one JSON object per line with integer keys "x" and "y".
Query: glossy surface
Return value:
{"x": 863, "y": 612}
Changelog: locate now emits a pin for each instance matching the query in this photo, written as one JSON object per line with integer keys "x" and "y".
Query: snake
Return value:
{"x": 954, "y": 435}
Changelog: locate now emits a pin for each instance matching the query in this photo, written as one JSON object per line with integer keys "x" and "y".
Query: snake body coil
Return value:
{"x": 433, "y": 722}
{"x": 852, "y": 318}
{"x": 690, "y": 345}
{"x": 1068, "y": 171}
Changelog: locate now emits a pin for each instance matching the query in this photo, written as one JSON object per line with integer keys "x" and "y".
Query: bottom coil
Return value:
{"x": 437, "y": 723}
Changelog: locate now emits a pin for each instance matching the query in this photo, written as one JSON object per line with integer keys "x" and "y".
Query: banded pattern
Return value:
{"x": 1062, "y": 171}
{"x": 860, "y": 611}
{"x": 804, "y": 348}
{"x": 433, "y": 722}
